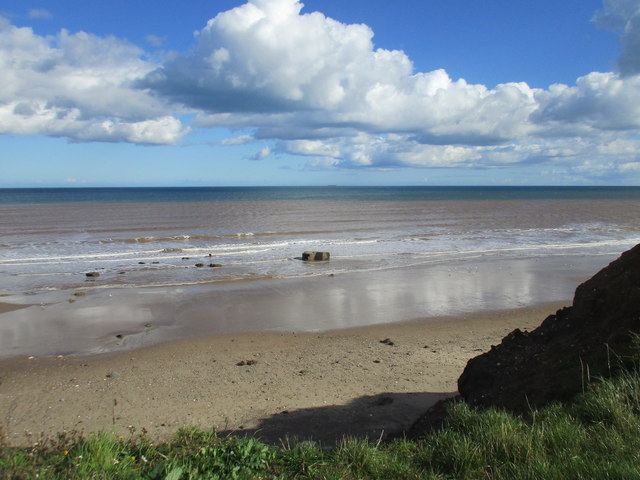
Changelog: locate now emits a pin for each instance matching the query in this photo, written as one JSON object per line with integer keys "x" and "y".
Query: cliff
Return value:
{"x": 590, "y": 339}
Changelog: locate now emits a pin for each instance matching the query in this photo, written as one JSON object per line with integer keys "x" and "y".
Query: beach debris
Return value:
{"x": 242, "y": 363}
{"x": 113, "y": 374}
{"x": 148, "y": 325}
{"x": 213, "y": 265}
{"x": 387, "y": 341}
{"x": 71, "y": 300}
{"x": 315, "y": 256}
{"x": 185, "y": 258}
{"x": 92, "y": 274}
{"x": 199, "y": 265}
{"x": 376, "y": 361}
{"x": 119, "y": 335}
{"x": 141, "y": 263}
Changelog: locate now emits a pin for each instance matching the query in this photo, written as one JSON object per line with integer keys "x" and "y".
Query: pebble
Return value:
{"x": 246, "y": 362}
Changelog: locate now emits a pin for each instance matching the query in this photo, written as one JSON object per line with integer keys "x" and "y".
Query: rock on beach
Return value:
{"x": 315, "y": 256}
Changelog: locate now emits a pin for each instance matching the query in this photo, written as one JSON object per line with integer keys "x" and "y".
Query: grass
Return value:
{"x": 596, "y": 436}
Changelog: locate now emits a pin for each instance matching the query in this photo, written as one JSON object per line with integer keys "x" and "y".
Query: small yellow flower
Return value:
{"x": 66, "y": 452}
{"x": 133, "y": 459}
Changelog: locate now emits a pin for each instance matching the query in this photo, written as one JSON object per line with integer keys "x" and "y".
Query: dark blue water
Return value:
{"x": 265, "y": 194}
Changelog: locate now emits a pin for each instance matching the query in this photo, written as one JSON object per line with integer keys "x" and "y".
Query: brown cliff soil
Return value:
{"x": 592, "y": 338}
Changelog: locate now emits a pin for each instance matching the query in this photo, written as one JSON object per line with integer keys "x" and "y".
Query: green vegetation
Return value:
{"x": 597, "y": 436}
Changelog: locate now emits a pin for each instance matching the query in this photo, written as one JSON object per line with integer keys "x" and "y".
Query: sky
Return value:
{"x": 340, "y": 92}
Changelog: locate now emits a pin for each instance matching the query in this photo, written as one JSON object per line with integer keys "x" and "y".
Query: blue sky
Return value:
{"x": 274, "y": 92}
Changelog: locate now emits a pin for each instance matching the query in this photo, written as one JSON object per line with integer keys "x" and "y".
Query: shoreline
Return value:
{"x": 316, "y": 386}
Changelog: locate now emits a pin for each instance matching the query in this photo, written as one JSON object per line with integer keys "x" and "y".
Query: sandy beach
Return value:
{"x": 371, "y": 381}
{"x": 318, "y": 358}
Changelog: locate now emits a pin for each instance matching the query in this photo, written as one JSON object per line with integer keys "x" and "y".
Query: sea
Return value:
{"x": 50, "y": 238}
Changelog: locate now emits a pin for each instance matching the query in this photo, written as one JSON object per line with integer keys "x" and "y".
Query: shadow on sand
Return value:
{"x": 384, "y": 415}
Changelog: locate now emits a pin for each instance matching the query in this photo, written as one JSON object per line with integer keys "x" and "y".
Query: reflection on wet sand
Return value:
{"x": 123, "y": 319}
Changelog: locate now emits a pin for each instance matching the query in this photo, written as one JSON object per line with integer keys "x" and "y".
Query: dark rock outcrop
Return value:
{"x": 554, "y": 362}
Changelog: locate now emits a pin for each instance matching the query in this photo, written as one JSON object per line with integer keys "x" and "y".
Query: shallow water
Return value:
{"x": 254, "y": 234}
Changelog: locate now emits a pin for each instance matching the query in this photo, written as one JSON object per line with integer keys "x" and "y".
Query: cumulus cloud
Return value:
{"x": 78, "y": 86}
{"x": 599, "y": 101}
{"x": 576, "y": 156}
{"x": 324, "y": 90}
{"x": 318, "y": 88}
{"x": 266, "y": 58}
{"x": 262, "y": 154}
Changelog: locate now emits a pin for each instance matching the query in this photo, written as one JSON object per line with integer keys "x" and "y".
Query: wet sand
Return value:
{"x": 10, "y": 307}
{"x": 316, "y": 386}
{"x": 92, "y": 319}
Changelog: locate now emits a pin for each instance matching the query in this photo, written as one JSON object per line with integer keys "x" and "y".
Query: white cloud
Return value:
{"x": 240, "y": 140}
{"x": 266, "y": 58}
{"x": 262, "y": 154}
{"x": 303, "y": 78}
{"x": 599, "y": 101}
{"x": 384, "y": 152}
{"x": 78, "y": 86}
{"x": 311, "y": 148}
{"x": 41, "y": 119}
{"x": 314, "y": 87}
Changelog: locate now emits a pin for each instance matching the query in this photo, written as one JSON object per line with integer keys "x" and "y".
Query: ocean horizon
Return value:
{"x": 334, "y": 192}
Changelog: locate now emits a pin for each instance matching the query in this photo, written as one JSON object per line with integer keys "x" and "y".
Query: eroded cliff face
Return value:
{"x": 555, "y": 361}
